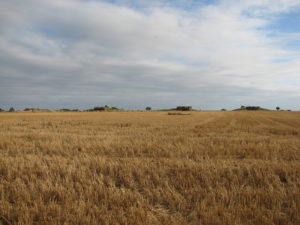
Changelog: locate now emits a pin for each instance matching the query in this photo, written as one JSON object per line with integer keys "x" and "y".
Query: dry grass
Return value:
{"x": 138, "y": 168}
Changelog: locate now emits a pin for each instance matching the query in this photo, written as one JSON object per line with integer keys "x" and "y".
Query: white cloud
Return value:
{"x": 98, "y": 52}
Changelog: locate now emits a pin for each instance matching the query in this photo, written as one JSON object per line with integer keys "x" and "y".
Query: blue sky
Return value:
{"x": 131, "y": 54}
{"x": 288, "y": 22}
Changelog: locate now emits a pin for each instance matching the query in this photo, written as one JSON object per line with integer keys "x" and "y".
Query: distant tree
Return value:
{"x": 184, "y": 108}
{"x": 277, "y": 108}
{"x": 148, "y": 108}
{"x": 11, "y": 109}
{"x": 223, "y": 109}
{"x": 243, "y": 107}
{"x": 99, "y": 108}
{"x": 252, "y": 108}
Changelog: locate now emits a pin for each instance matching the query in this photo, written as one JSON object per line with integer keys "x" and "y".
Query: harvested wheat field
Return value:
{"x": 148, "y": 168}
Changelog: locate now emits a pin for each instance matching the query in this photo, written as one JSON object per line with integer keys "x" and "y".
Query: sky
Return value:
{"x": 209, "y": 54}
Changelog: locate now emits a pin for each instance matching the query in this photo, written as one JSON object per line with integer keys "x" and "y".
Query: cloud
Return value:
{"x": 131, "y": 54}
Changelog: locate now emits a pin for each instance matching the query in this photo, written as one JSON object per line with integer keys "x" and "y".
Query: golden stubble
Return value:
{"x": 146, "y": 168}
